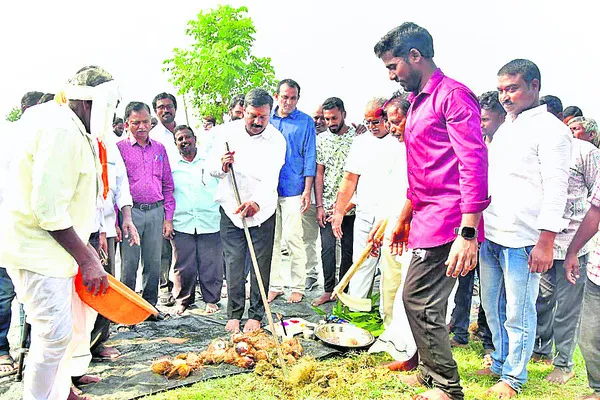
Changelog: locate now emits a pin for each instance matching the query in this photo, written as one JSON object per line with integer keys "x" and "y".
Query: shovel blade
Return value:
{"x": 355, "y": 303}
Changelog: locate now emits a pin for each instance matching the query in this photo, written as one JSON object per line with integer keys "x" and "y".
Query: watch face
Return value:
{"x": 468, "y": 232}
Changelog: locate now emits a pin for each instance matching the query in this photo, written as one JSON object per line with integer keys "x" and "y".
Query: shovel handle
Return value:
{"x": 363, "y": 256}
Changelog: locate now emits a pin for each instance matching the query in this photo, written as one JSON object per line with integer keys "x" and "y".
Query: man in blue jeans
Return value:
{"x": 528, "y": 180}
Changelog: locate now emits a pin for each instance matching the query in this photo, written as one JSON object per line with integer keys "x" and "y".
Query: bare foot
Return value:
{"x": 541, "y": 358}
{"x": 73, "y": 395}
{"x": 410, "y": 380}
{"x": 324, "y": 298}
{"x": 487, "y": 372}
{"x": 86, "y": 380}
{"x": 433, "y": 394}
{"x": 408, "y": 365}
{"x": 295, "y": 297}
{"x": 593, "y": 396}
{"x": 559, "y": 376}
{"x": 233, "y": 325}
{"x": 107, "y": 352}
{"x": 181, "y": 309}
{"x": 273, "y": 295}
{"x": 251, "y": 325}
{"x": 211, "y": 308}
{"x": 501, "y": 390}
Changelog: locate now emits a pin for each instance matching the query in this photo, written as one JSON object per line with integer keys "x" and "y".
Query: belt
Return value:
{"x": 147, "y": 206}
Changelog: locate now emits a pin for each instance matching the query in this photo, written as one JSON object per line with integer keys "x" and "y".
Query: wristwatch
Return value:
{"x": 466, "y": 232}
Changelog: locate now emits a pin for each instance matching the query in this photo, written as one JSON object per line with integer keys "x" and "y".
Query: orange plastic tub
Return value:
{"x": 119, "y": 304}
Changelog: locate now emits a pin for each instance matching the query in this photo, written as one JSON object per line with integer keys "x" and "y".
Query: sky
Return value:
{"x": 326, "y": 46}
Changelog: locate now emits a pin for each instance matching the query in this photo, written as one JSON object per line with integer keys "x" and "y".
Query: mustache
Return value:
{"x": 257, "y": 126}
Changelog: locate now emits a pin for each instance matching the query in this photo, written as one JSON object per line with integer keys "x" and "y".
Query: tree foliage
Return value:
{"x": 219, "y": 64}
{"x": 14, "y": 114}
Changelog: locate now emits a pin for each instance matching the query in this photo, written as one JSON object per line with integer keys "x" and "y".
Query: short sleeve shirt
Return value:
{"x": 332, "y": 152}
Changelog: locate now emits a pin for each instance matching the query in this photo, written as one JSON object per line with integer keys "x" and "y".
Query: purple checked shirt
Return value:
{"x": 149, "y": 173}
{"x": 446, "y": 160}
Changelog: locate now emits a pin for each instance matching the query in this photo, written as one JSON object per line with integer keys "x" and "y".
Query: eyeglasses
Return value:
{"x": 165, "y": 107}
{"x": 372, "y": 122}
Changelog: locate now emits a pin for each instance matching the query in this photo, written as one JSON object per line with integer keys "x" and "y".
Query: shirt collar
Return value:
{"x": 293, "y": 114}
{"x": 432, "y": 83}
{"x": 542, "y": 108}
{"x": 132, "y": 140}
{"x": 196, "y": 157}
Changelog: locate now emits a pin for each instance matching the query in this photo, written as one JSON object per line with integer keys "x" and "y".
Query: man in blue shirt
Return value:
{"x": 295, "y": 183}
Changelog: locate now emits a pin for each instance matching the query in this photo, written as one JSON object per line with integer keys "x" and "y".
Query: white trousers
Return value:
{"x": 310, "y": 239}
{"x": 61, "y": 325}
{"x": 362, "y": 282}
{"x": 288, "y": 227}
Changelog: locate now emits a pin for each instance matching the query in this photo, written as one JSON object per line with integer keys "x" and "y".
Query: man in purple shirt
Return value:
{"x": 151, "y": 186}
{"x": 447, "y": 175}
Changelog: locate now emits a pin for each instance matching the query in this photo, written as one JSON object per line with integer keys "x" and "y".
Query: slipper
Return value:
{"x": 5, "y": 361}
{"x": 167, "y": 301}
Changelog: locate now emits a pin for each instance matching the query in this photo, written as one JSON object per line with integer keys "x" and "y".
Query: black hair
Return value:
{"x": 400, "y": 100}
{"x": 334, "y": 102}
{"x": 572, "y": 111}
{"x": 135, "y": 106}
{"x": 30, "y": 99}
{"x": 117, "y": 120}
{"x": 162, "y": 96}
{"x": 403, "y": 38}
{"x": 553, "y": 104}
{"x": 291, "y": 83}
{"x": 258, "y": 98}
{"x": 490, "y": 101}
{"x": 181, "y": 128}
{"x": 527, "y": 69}
{"x": 210, "y": 118}
{"x": 238, "y": 99}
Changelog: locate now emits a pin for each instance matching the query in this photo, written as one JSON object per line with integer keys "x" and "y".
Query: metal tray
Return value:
{"x": 344, "y": 336}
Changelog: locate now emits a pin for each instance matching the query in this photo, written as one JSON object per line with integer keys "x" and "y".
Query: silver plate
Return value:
{"x": 344, "y": 336}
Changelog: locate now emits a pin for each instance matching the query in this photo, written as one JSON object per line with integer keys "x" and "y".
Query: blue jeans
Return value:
{"x": 509, "y": 292}
{"x": 462, "y": 308}
{"x": 7, "y": 294}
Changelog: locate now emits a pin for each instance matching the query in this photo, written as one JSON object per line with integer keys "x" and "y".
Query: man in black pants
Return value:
{"x": 447, "y": 175}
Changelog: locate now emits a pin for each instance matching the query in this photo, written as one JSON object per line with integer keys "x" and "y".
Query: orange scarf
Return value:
{"x": 104, "y": 164}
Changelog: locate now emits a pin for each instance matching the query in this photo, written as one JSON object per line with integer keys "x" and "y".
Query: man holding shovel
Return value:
{"x": 256, "y": 149}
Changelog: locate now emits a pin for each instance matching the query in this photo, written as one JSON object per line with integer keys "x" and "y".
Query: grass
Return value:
{"x": 356, "y": 377}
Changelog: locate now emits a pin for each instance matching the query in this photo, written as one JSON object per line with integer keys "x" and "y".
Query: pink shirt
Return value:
{"x": 446, "y": 160}
{"x": 149, "y": 173}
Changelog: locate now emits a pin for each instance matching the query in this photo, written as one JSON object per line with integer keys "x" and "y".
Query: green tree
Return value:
{"x": 14, "y": 114}
{"x": 219, "y": 64}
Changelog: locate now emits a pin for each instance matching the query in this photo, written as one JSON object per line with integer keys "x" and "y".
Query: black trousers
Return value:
{"x": 425, "y": 296}
{"x": 101, "y": 331}
{"x": 328, "y": 243}
{"x": 235, "y": 248}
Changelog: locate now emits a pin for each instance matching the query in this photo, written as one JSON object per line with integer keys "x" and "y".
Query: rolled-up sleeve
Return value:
{"x": 54, "y": 178}
{"x": 554, "y": 154}
{"x": 463, "y": 122}
{"x": 167, "y": 188}
{"x": 310, "y": 150}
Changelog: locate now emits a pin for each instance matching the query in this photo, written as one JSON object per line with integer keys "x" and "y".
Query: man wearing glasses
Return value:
{"x": 165, "y": 108}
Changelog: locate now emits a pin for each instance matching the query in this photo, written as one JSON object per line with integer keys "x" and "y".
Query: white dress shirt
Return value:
{"x": 118, "y": 184}
{"x": 528, "y": 178}
{"x": 167, "y": 139}
{"x": 257, "y": 162}
{"x": 381, "y": 165}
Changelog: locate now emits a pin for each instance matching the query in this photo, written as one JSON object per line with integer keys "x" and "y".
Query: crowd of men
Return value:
{"x": 435, "y": 161}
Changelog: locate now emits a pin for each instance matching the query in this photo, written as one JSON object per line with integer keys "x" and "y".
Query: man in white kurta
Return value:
{"x": 48, "y": 218}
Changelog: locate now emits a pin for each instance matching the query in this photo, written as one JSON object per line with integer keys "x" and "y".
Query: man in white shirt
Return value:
{"x": 257, "y": 153}
{"x": 49, "y": 216}
{"x": 165, "y": 108}
{"x": 528, "y": 179}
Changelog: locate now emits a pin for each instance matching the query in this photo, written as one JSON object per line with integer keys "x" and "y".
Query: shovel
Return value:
{"x": 353, "y": 302}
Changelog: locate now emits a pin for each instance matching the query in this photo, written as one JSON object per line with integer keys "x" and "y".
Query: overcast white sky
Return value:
{"x": 327, "y": 46}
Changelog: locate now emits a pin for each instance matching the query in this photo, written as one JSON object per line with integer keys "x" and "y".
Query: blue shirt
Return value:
{"x": 195, "y": 188}
{"x": 298, "y": 129}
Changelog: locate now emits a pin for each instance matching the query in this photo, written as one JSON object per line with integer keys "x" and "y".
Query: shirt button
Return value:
{"x": 414, "y": 213}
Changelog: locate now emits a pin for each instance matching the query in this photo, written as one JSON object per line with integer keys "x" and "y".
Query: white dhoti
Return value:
{"x": 61, "y": 325}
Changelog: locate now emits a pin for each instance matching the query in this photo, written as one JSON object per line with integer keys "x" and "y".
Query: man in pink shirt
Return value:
{"x": 447, "y": 175}
{"x": 151, "y": 186}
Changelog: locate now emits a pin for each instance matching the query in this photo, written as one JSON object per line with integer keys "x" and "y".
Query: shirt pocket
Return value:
{"x": 157, "y": 166}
